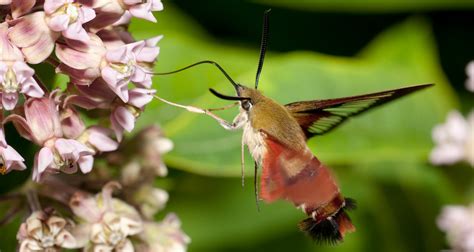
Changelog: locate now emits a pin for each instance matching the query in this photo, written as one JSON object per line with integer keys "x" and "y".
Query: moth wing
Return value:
{"x": 296, "y": 176}
{"x": 320, "y": 116}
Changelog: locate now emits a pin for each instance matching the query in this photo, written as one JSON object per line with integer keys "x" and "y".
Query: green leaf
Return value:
{"x": 404, "y": 55}
{"x": 370, "y": 5}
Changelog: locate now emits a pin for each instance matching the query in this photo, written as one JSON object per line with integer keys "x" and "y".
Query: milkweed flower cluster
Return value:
{"x": 109, "y": 81}
{"x": 454, "y": 144}
{"x": 458, "y": 223}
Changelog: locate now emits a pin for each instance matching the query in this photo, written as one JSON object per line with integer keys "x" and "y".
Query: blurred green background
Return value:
{"x": 317, "y": 50}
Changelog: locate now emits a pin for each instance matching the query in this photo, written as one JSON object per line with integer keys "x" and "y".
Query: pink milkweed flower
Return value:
{"x": 112, "y": 11}
{"x": 45, "y": 232}
{"x": 129, "y": 63}
{"x": 33, "y": 36}
{"x": 10, "y": 159}
{"x": 165, "y": 235}
{"x": 143, "y": 9}
{"x": 106, "y": 222}
{"x": 458, "y": 223}
{"x": 470, "y": 74}
{"x": 15, "y": 75}
{"x": 67, "y": 17}
{"x": 454, "y": 140}
{"x": 122, "y": 115}
{"x": 42, "y": 126}
{"x": 96, "y": 138}
{"x": 19, "y": 7}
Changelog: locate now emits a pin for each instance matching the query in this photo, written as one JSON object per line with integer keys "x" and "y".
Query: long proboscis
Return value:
{"x": 199, "y": 63}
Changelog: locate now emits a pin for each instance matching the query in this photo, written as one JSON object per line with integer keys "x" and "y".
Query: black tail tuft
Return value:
{"x": 350, "y": 204}
{"x": 332, "y": 229}
{"x": 324, "y": 232}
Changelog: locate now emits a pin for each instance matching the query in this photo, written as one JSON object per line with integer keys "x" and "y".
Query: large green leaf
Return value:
{"x": 402, "y": 56}
{"x": 370, "y": 5}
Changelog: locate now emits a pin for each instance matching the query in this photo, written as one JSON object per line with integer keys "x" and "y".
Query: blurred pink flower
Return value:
{"x": 19, "y": 7}
{"x": 107, "y": 222}
{"x": 165, "y": 236}
{"x": 67, "y": 17}
{"x": 15, "y": 75}
{"x": 42, "y": 126}
{"x": 454, "y": 140}
{"x": 470, "y": 76}
{"x": 117, "y": 11}
{"x": 458, "y": 223}
{"x": 10, "y": 159}
{"x": 45, "y": 232}
{"x": 33, "y": 36}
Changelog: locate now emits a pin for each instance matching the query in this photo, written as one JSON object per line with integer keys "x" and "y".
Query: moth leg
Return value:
{"x": 255, "y": 186}
{"x": 225, "y": 107}
{"x": 242, "y": 161}
{"x": 226, "y": 125}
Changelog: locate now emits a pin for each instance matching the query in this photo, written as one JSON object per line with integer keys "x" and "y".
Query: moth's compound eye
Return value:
{"x": 246, "y": 104}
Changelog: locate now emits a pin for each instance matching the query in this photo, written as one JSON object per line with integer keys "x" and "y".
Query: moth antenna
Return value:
{"x": 263, "y": 44}
{"x": 255, "y": 186}
{"x": 199, "y": 63}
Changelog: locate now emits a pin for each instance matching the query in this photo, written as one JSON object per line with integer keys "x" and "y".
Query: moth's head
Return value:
{"x": 247, "y": 97}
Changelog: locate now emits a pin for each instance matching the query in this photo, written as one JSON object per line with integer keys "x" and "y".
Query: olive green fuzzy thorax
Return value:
{"x": 274, "y": 119}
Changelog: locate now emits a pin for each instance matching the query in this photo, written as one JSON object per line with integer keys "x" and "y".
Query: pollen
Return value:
{"x": 3, "y": 167}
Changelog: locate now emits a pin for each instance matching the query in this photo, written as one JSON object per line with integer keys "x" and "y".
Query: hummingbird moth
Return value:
{"x": 276, "y": 138}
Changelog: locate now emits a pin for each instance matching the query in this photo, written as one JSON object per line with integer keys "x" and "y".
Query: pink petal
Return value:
{"x": 151, "y": 42}
{"x": 87, "y": 14}
{"x": 50, "y": 6}
{"x": 85, "y": 207}
{"x": 43, "y": 119}
{"x": 43, "y": 159}
{"x": 41, "y": 50}
{"x": 66, "y": 149}
{"x": 9, "y": 100}
{"x": 156, "y": 5}
{"x": 148, "y": 54}
{"x": 120, "y": 87}
{"x": 21, "y": 7}
{"x": 12, "y": 159}
{"x": 117, "y": 55}
{"x": 138, "y": 75}
{"x": 59, "y": 23}
{"x": 76, "y": 32}
{"x": 27, "y": 30}
{"x": 132, "y": 2}
{"x": 99, "y": 138}
{"x": 142, "y": 11}
{"x": 9, "y": 51}
{"x": 77, "y": 59}
{"x": 139, "y": 97}
{"x": 31, "y": 88}
{"x": 72, "y": 124}
{"x": 125, "y": 118}
{"x": 21, "y": 126}
{"x": 86, "y": 163}
{"x": 22, "y": 71}
{"x": 3, "y": 142}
